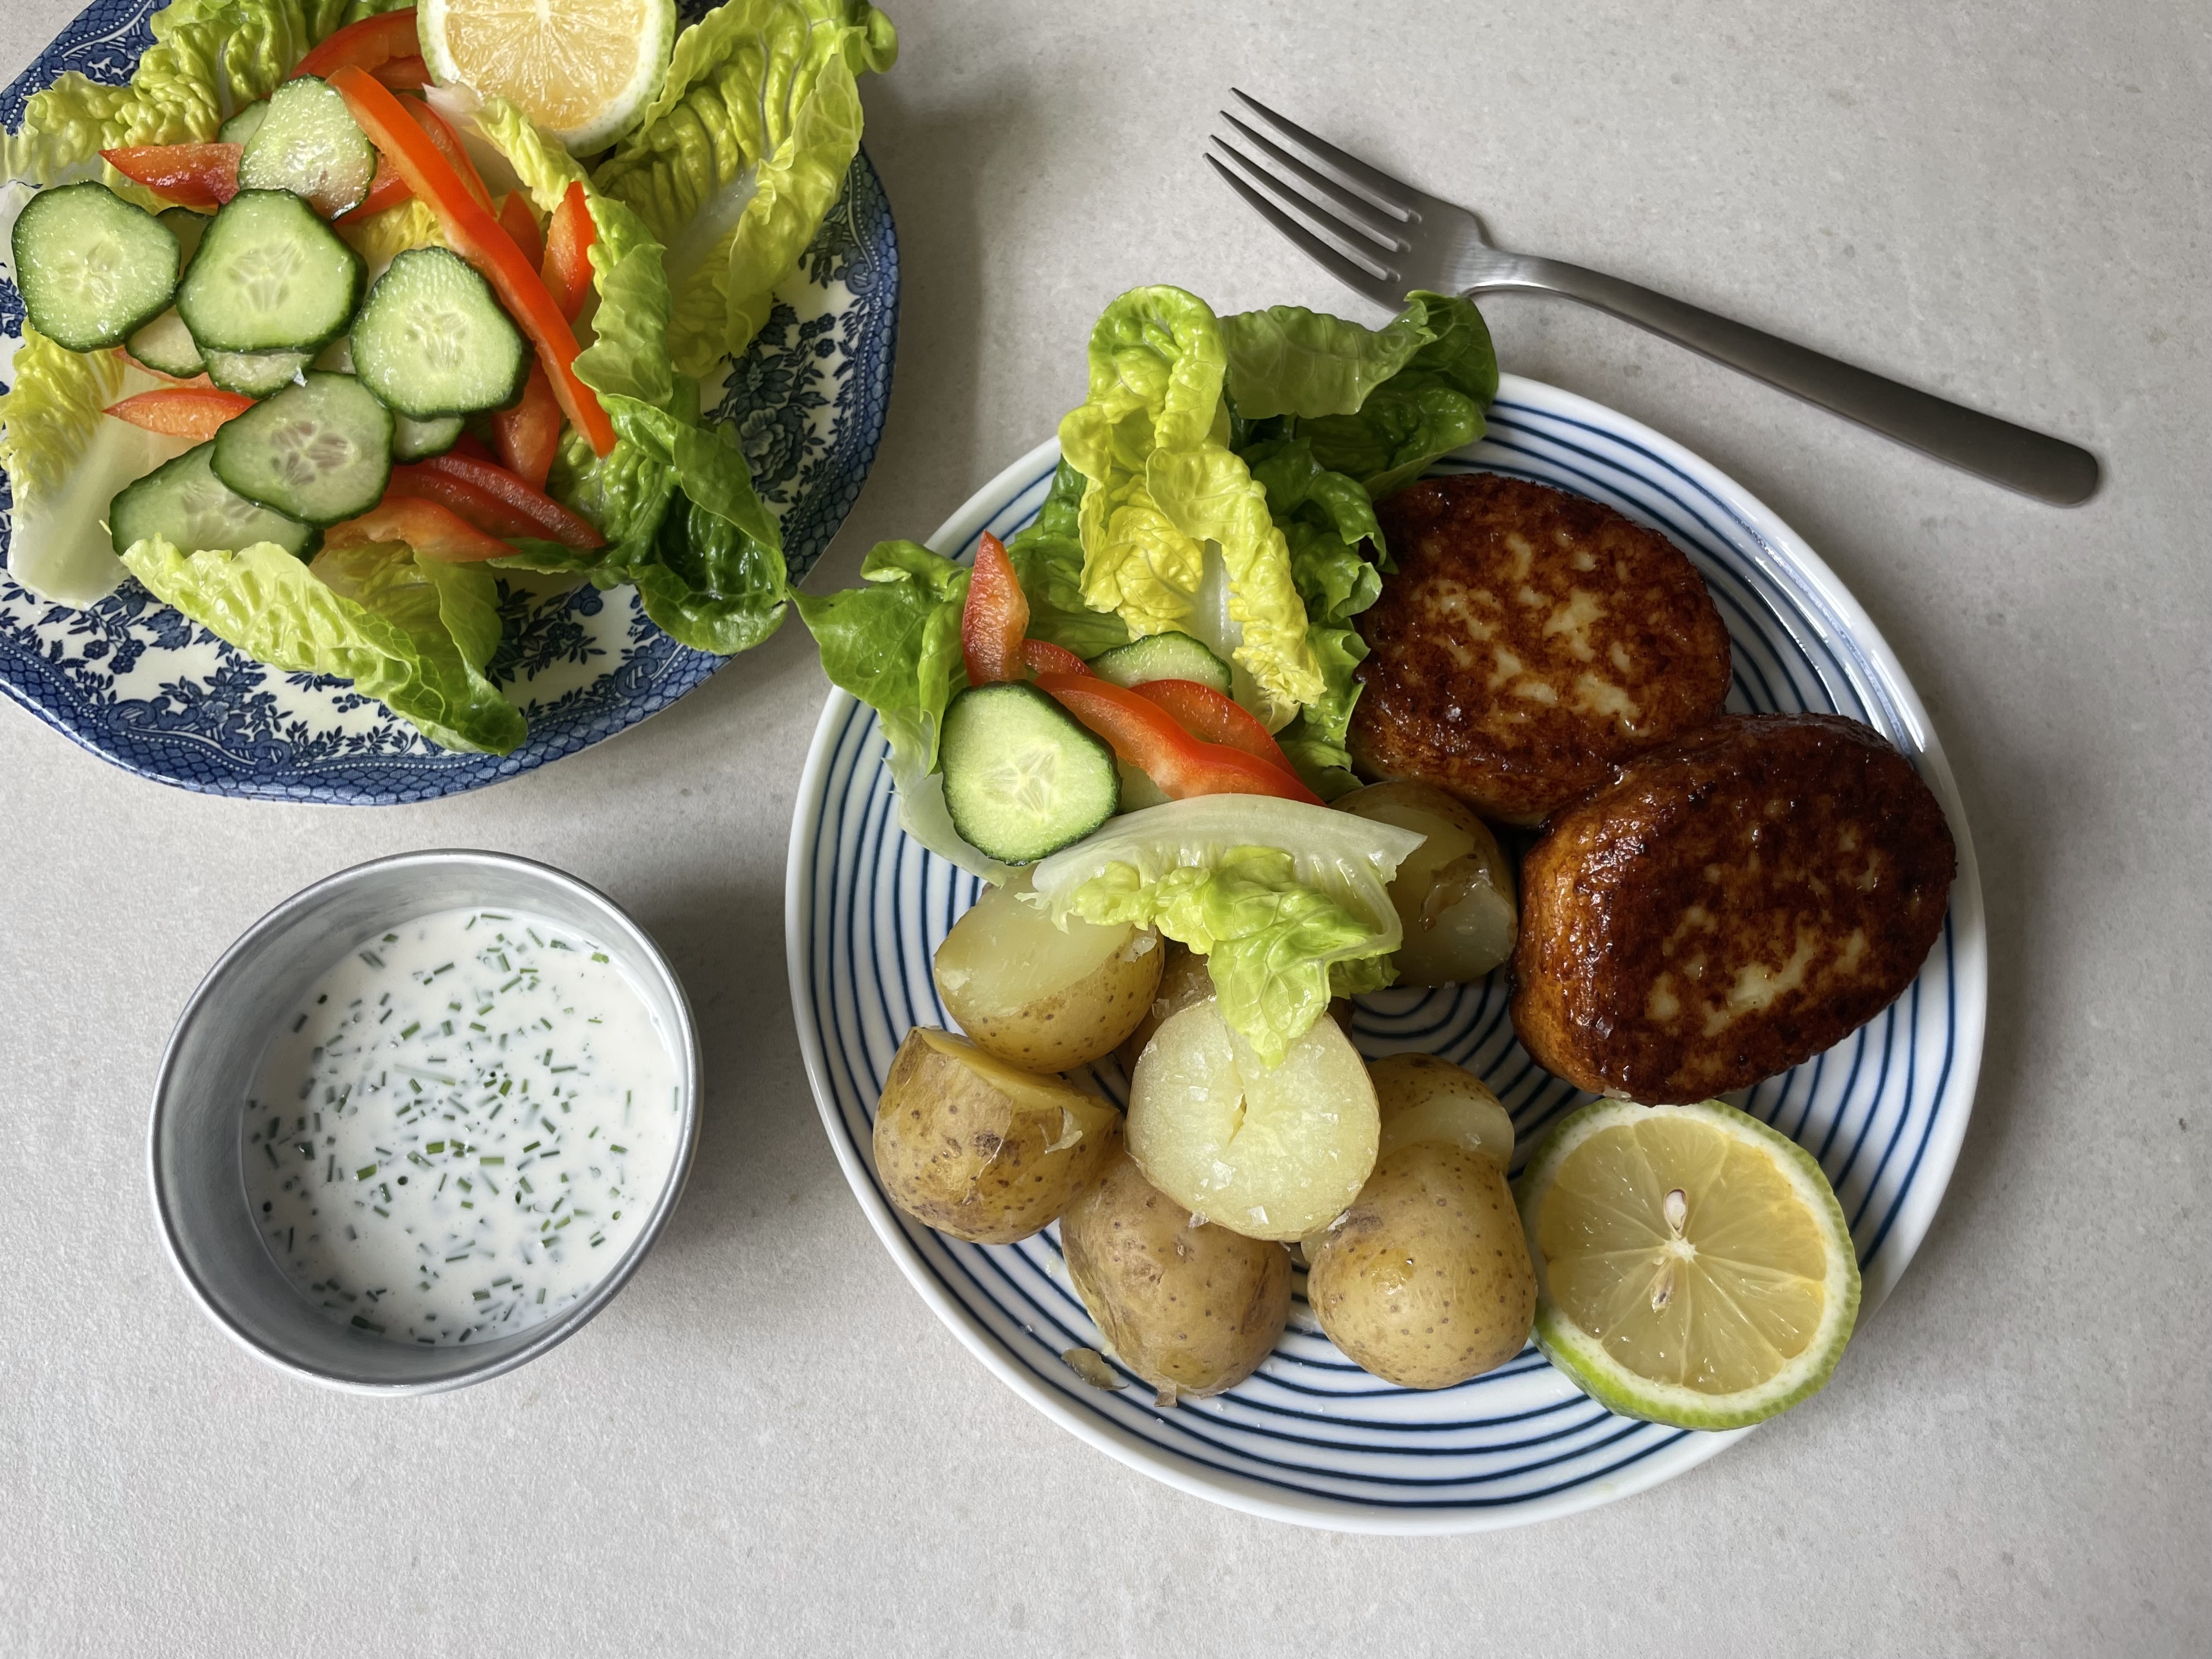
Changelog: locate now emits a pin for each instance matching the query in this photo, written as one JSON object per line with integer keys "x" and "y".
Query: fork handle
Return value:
{"x": 2046, "y": 468}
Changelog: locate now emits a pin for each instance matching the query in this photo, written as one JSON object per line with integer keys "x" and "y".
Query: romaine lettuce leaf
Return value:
{"x": 65, "y": 461}
{"x": 1289, "y": 361}
{"x": 1048, "y": 558}
{"x": 209, "y": 58}
{"x": 743, "y": 152}
{"x": 412, "y": 634}
{"x": 1277, "y": 896}
{"x": 1430, "y": 407}
{"x": 383, "y": 237}
{"x": 675, "y": 500}
{"x": 895, "y": 644}
{"x": 1152, "y": 440}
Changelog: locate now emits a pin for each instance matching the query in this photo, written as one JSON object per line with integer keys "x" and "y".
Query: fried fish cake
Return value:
{"x": 1529, "y": 642}
{"x": 1728, "y": 907}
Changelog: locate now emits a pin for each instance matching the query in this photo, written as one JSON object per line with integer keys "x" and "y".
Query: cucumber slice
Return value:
{"x": 1022, "y": 777}
{"x": 256, "y": 373}
{"x": 413, "y": 439}
{"x": 269, "y": 277}
{"x": 92, "y": 268}
{"x": 166, "y": 346}
{"x": 431, "y": 340}
{"x": 241, "y": 127}
{"x": 187, "y": 505}
{"x": 320, "y": 452}
{"x": 187, "y": 225}
{"x": 308, "y": 142}
{"x": 1162, "y": 657}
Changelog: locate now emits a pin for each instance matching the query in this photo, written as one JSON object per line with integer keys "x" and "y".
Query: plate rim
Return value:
{"x": 1909, "y": 1230}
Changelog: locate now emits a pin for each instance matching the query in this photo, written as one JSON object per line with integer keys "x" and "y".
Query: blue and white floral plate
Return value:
{"x": 1309, "y": 1438}
{"x": 139, "y": 684}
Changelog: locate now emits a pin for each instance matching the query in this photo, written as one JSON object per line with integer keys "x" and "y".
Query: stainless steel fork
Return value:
{"x": 1380, "y": 236}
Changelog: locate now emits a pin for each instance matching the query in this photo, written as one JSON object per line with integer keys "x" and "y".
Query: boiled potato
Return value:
{"x": 1425, "y": 1280}
{"x": 1191, "y": 1307}
{"x": 1455, "y": 894}
{"x": 1183, "y": 980}
{"x": 971, "y": 1146}
{"x": 1038, "y": 996}
{"x": 1426, "y": 1097}
{"x": 1271, "y": 1153}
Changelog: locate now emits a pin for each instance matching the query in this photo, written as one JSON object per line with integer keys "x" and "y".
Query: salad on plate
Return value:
{"x": 335, "y": 310}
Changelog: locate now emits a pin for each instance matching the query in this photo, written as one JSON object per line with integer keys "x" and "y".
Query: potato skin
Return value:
{"x": 1425, "y": 1280}
{"x": 1072, "y": 1026}
{"x": 1192, "y": 1309}
{"x": 967, "y": 1145}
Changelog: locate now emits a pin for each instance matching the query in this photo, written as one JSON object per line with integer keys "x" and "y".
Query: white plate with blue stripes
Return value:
{"x": 1310, "y": 1439}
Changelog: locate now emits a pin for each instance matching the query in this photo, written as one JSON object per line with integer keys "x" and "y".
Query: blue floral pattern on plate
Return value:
{"x": 140, "y": 685}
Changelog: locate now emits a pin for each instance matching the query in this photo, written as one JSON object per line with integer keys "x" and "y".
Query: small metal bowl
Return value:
{"x": 199, "y": 1102}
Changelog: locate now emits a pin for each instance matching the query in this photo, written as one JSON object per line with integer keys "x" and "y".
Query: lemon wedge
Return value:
{"x": 581, "y": 69}
{"x": 1692, "y": 1265}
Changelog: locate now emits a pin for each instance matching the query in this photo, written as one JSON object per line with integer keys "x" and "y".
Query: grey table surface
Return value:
{"x": 769, "y": 1443}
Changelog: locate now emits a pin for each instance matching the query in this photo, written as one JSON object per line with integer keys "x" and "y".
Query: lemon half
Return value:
{"x": 1692, "y": 1266}
{"x": 581, "y": 69}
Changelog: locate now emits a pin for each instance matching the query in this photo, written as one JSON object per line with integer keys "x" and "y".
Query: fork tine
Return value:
{"x": 1316, "y": 218}
{"x": 1379, "y": 187}
{"x": 1353, "y": 209}
{"x": 1374, "y": 284}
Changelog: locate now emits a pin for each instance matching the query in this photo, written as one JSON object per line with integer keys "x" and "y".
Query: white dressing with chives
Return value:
{"x": 461, "y": 1128}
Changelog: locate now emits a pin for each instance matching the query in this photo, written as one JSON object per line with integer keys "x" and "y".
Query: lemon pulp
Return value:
{"x": 579, "y": 69}
{"x": 1696, "y": 1266}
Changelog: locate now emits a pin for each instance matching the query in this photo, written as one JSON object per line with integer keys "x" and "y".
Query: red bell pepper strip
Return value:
{"x": 469, "y": 444}
{"x": 191, "y": 175}
{"x": 486, "y": 512}
{"x": 1146, "y": 736}
{"x": 404, "y": 74}
{"x": 529, "y": 435}
{"x": 388, "y": 189}
{"x": 182, "y": 411}
{"x": 517, "y": 219}
{"x": 553, "y": 522}
{"x": 568, "y": 238}
{"x": 440, "y": 133}
{"x": 478, "y": 238}
{"x": 1205, "y": 712}
{"x": 1043, "y": 657}
{"x": 996, "y": 617}
{"x": 368, "y": 45}
{"x": 432, "y": 530}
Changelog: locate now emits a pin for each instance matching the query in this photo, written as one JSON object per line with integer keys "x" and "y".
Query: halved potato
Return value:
{"x": 1426, "y": 1097}
{"x": 1038, "y": 996}
{"x": 1191, "y": 1307}
{"x": 1183, "y": 980}
{"x": 1269, "y": 1153}
{"x": 1455, "y": 894}
{"x": 971, "y": 1146}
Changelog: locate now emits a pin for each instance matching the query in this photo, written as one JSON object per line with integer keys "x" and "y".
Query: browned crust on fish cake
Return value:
{"x": 1529, "y": 642}
{"x": 1794, "y": 855}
